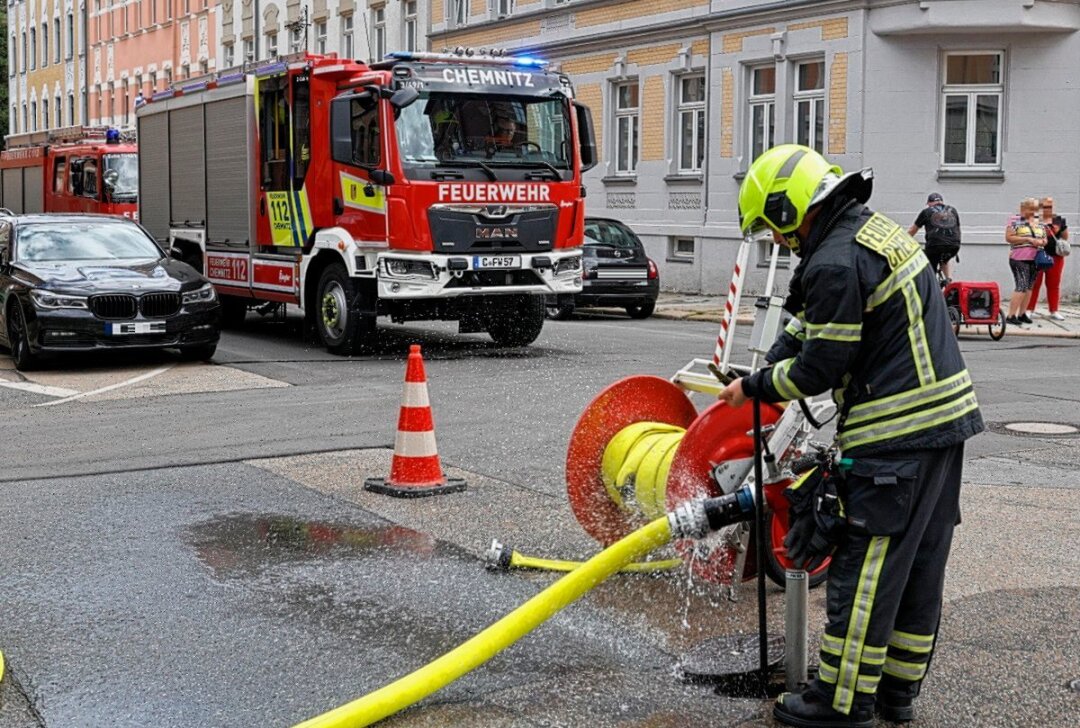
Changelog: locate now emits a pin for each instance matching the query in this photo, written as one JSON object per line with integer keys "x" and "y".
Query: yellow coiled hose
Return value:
{"x": 416, "y": 686}
{"x": 636, "y": 463}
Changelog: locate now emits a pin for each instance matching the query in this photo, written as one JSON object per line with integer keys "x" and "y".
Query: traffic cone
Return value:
{"x": 415, "y": 471}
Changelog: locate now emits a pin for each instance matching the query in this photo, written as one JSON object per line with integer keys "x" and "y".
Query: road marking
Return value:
{"x": 126, "y": 382}
{"x": 39, "y": 389}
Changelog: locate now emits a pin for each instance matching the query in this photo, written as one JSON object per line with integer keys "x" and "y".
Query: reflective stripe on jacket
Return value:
{"x": 871, "y": 326}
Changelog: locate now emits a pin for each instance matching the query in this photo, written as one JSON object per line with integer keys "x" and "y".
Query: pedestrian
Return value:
{"x": 1026, "y": 236}
{"x": 869, "y": 323}
{"x": 1057, "y": 228}
{"x": 942, "y": 223}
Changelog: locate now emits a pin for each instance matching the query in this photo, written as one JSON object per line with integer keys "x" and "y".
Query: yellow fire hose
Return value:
{"x": 503, "y": 558}
{"x": 416, "y": 686}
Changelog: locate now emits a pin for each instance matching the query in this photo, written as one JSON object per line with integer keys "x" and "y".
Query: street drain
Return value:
{"x": 1035, "y": 429}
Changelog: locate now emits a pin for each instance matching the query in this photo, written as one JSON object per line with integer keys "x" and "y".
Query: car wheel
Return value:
{"x": 233, "y": 311}
{"x": 559, "y": 311}
{"x": 25, "y": 360}
{"x": 341, "y": 327}
{"x": 641, "y": 310}
{"x": 517, "y": 321}
{"x": 199, "y": 352}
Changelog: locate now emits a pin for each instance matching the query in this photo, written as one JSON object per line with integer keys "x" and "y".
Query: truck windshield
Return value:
{"x": 453, "y": 129}
{"x": 121, "y": 177}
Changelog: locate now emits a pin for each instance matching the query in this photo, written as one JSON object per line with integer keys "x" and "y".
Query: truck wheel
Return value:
{"x": 19, "y": 338}
{"x": 641, "y": 310}
{"x": 557, "y": 311}
{"x": 233, "y": 311}
{"x": 341, "y": 327}
{"x": 516, "y": 320}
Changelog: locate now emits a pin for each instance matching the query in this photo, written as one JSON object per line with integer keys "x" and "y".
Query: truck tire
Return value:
{"x": 516, "y": 320}
{"x": 341, "y": 326}
{"x": 233, "y": 311}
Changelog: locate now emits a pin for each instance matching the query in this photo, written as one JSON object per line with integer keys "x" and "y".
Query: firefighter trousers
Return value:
{"x": 886, "y": 577}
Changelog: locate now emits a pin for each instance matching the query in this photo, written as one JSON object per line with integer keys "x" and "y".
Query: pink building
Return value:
{"x": 138, "y": 46}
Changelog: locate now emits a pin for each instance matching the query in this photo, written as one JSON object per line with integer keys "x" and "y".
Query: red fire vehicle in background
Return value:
{"x": 73, "y": 169}
{"x": 423, "y": 187}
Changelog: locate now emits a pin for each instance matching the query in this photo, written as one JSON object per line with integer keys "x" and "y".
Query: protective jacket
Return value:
{"x": 870, "y": 323}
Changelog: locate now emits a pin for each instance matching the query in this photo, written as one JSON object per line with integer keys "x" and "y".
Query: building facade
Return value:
{"x": 137, "y": 47}
{"x": 362, "y": 29}
{"x": 45, "y": 64}
{"x": 970, "y": 98}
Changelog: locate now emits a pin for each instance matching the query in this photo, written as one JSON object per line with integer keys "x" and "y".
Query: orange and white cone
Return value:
{"x": 415, "y": 470}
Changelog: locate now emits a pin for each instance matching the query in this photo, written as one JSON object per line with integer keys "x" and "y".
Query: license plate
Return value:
{"x": 496, "y": 261}
{"x": 136, "y": 327}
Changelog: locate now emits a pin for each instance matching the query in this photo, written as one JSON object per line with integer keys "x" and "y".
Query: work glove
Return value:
{"x": 815, "y": 519}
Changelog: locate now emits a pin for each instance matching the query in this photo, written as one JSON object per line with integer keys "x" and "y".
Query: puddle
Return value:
{"x": 241, "y": 545}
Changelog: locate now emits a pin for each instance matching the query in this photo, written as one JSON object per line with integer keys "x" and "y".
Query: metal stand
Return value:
{"x": 796, "y": 595}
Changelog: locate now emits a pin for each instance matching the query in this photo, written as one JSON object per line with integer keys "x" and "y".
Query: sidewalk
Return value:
{"x": 696, "y": 307}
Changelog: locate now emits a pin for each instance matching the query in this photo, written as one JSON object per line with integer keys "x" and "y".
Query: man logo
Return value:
{"x": 496, "y": 232}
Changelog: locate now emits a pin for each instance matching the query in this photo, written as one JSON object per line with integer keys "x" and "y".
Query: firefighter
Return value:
{"x": 869, "y": 322}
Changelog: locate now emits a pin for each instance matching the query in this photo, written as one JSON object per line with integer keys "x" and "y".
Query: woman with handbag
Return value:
{"x": 1057, "y": 246}
{"x": 1026, "y": 237}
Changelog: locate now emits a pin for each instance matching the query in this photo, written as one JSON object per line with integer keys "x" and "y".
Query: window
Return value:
{"x": 187, "y": 7}
{"x": 58, "y": 111}
{"x": 505, "y": 7}
{"x": 230, "y": 55}
{"x": 168, "y": 76}
{"x": 33, "y": 116}
{"x": 153, "y": 12}
{"x": 44, "y": 113}
{"x": 153, "y": 82}
{"x": 762, "y": 109}
{"x": 25, "y": 54}
{"x": 971, "y": 106}
{"x": 13, "y": 56}
{"x": 249, "y": 51}
{"x": 71, "y": 109}
{"x": 681, "y": 248}
{"x": 124, "y": 22}
{"x": 810, "y": 105}
{"x": 56, "y": 40}
{"x": 70, "y": 35}
{"x": 14, "y": 119}
{"x": 459, "y": 12}
{"x": 691, "y": 124}
{"x": 33, "y": 49}
{"x": 765, "y": 249}
{"x": 347, "y": 49}
{"x": 378, "y": 22}
{"x": 410, "y": 25}
{"x": 627, "y": 121}
{"x": 271, "y": 45}
{"x": 25, "y": 118}
{"x": 58, "y": 174}
{"x": 296, "y": 39}
{"x": 127, "y": 106}
{"x": 320, "y": 37}
{"x": 44, "y": 44}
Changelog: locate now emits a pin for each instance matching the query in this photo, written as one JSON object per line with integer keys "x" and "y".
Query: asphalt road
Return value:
{"x": 188, "y": 544}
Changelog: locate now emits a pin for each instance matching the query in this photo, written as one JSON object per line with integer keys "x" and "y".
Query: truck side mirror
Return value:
{"x": 404, "y": 97}
{"x": 382, "y": 177}
{"x": 586, "y": 137}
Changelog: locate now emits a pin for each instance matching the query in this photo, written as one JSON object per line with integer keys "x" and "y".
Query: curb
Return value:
{"x": 967, "y": 331}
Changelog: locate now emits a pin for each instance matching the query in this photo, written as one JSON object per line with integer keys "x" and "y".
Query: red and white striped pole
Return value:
{"x": 415, "y": 470}
{"x": 731, "y": 308}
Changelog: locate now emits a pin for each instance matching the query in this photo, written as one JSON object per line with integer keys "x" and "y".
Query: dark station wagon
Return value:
{"x": 616, "y": 273}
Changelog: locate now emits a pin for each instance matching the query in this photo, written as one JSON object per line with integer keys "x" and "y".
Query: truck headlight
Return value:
{"x": 206, "y": 294}
{"x": 46, "y": 299}
{"x": 568, "y": 265}
{"x": 405, "y": 267}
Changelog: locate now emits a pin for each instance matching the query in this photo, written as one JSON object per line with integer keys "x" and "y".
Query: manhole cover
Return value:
{"x": 1036, "y": 429}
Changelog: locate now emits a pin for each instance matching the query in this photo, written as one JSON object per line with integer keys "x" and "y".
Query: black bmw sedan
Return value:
{"x": 96, "y": 282}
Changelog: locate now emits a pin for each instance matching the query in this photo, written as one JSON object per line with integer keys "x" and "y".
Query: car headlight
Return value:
{"x": 206, "y": 294}
{"x": 47, "y": 299}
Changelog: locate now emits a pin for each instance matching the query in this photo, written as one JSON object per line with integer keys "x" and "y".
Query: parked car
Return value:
{"x": 616, "y": 273}
{"x": 94, "y": 282}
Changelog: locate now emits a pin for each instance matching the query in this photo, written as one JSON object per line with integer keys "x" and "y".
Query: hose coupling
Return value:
{"x": 497, "y": 557}
{"x": 688, "y": 520}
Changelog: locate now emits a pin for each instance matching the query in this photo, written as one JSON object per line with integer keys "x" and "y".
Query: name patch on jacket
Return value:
{"x": 885, "y": 237}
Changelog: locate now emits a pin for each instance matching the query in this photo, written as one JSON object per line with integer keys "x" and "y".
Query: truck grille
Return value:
{"x": 159, "y": 305}
{"x": 114, "y": 306}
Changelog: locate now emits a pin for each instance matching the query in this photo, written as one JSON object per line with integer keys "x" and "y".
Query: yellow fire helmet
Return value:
{"x": 785, "y": 182}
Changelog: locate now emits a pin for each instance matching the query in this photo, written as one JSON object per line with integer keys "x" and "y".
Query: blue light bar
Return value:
{"x": 231, "y": 78}
{"x": 527, "y": 61}
{"x": 162, "y": 95}
{"x": 191, "y": 87}
{"x": 271, "y": 70}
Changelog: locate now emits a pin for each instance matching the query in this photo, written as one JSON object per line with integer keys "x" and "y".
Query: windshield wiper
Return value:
{"x": 547, "y": 167}
{"x": 472, "y": 163}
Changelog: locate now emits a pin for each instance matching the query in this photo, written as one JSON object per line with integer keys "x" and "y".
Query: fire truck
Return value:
{"x": 73, "y": 169}
{"x": 427, "y": 186}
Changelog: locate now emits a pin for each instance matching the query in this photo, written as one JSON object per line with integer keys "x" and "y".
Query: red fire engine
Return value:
{"x": 73, "y": 169}
{"x": 423, "y": 187}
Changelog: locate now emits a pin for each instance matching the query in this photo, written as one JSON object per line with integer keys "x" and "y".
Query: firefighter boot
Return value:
{"x": 811, "y": 709}
{"x": 895, "y": 699}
